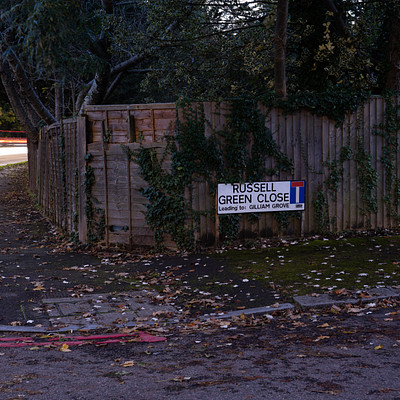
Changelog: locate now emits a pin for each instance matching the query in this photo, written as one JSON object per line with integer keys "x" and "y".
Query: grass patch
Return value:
{"x": 13, "y": 165}
{"x": 319, "y": 266}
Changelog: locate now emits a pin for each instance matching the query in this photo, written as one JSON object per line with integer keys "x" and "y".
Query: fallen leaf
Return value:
{"x": 182, "y": 378}
{"x": 65, "y": 348}
{"x": 378, "y": 347}
{"x": 388, "y": 390}
{"x": 321, "y": 338}
{"x": 342, "y": 292}
{"x": 354, "y": 310}
{"x": 127, "y": 364}
{"x": 298, "y": 324}
{"x": 335, "y": 309}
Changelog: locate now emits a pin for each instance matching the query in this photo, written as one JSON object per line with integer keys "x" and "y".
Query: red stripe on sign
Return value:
{"x": 298, "y": 184}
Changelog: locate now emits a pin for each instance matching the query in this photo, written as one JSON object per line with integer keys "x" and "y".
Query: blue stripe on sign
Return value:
{"x": 297, "y": 195}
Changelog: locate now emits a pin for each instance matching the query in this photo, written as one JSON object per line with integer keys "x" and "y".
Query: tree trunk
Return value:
{"x": 59, "y": 101}
{"x": 392, "y": 79}
{"x": 27, "y": 92}
{"x": 280, "y": 48}
{"x": 97, "y": 91}
{"x": 26, "y": 117}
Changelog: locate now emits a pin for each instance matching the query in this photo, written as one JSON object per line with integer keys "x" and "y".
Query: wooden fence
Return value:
{"x": 86, "y": 153}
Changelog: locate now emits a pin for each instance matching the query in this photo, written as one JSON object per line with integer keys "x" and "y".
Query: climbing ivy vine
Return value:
{"x": 238, "y": 153}
{"x": 388, "y": 130}
{"x": 366, "y": 173}
{"x": 367, "y": 177}
{"x": 333, "y": 103}
{"x": 222, "y": 156}
{"x": 95, "y": 217}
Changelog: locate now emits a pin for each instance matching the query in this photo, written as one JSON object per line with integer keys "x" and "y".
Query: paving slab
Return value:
{"x": 106, "y": 309}
{"x": 52, "y": 310}
{"x": 56, "y": 322}
{"x": 322, "y": 300}
{"x": 115, "y": 318}
{"x": 72, "y": 299}
{"x": 73, "y": 308}
{"x": 106, "y": 319}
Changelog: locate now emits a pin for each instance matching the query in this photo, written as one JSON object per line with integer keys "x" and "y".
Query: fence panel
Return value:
{"x": 87, "y": 151}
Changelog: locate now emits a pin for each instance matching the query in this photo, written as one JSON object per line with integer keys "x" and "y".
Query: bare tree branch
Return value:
{"x": 25, "y": 117}
{"x": 280, "y": 39}
{"x": 25, "y": 87}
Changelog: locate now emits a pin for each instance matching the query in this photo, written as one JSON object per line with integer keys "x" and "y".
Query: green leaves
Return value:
{"x": 53, "y": 35}
{"x": 222, "y": 156}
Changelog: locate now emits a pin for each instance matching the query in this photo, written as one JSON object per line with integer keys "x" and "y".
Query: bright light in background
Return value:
{"x": 4, "y": 151}
{"x": 13, "y": 154}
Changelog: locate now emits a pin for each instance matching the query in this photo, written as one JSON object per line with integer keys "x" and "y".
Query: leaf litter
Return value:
{"x": 237, "y": 276}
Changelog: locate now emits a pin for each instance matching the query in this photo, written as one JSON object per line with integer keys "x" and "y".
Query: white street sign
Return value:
{"x": 261, "y": 197}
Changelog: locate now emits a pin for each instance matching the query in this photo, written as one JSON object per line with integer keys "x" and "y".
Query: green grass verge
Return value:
{"x": 319, "y": 266}
{"x": 13, "y": 165}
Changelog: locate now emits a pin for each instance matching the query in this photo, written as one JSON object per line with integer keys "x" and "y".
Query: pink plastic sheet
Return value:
{"x": 72, "y": 340}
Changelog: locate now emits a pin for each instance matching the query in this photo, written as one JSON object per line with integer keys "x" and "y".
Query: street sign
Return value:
{"x": 261, "y": 197}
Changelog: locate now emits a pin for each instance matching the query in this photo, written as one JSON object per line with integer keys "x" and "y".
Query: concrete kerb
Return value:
{"x": 249, "y": 311}
{"x": 35, "y": 329}
{"x": 328, "y": 300}
{"x": 314, "y": 301}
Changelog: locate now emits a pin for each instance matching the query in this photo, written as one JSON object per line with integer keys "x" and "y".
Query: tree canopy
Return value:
{"x": 57, "y": 56}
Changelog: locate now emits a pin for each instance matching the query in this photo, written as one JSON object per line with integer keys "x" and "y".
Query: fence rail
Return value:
{"x": 338, "y": 164}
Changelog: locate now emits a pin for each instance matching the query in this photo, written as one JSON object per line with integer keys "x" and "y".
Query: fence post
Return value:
{"x": 81, "y": 144}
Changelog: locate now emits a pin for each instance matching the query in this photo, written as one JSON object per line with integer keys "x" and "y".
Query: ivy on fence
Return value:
{"x": 223, "y": 156}
{"x": 389, "y": 130}
{"x": 95, "y": 216}
{"x": 238, "y": 153}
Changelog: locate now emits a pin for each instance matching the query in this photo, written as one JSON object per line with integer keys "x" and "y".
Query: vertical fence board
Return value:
{"x": 346, "y": 178}
{"x": 373, "y": 121}
{"x": 397, "y": 158}
{"x": 380, "y": 171}
{"x": 339, "y": 143}
{"x": 81, "y": 154}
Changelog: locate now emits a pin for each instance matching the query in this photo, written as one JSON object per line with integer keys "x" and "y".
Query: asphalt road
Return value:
{"x": 12, "y": 154}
